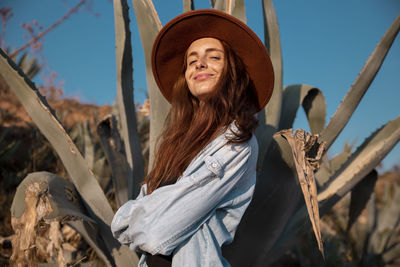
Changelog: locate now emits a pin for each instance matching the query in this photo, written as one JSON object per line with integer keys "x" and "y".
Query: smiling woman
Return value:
{"x": 216, "y": 74}
{"x": 204, "y": 65}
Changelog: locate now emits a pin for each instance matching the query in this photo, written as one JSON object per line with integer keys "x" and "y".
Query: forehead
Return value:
{"x": 204, "y": 44}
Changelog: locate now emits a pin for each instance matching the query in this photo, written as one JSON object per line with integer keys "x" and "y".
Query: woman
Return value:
{"x": 216, "y": 74}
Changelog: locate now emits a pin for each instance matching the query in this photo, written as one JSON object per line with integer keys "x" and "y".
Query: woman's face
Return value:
{"x": 205, "y": 63}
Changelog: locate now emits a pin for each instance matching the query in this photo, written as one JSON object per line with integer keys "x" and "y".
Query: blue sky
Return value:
{"x": 324, "y": 44}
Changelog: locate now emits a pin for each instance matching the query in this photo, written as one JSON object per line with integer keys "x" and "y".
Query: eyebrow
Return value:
{"x": 194, "y": 53}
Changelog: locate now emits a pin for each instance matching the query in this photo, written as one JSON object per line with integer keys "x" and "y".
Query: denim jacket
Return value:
{"x": 194, "y": 217}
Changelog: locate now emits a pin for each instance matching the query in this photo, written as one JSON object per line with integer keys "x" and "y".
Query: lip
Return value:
{"x": 202, "y": 76}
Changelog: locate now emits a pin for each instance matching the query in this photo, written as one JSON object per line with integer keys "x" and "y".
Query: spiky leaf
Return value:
{"x": 125, "y": 98}
{"x": 112, "y": 146}
{"x": 273, "y": 44}
{"x": 149, "y": 25}
{"x": 363, "y": 161}
{"x": 313, "y": 102}
{"x": 360, "y": 195}
{"x": 276, "y": 196}
{"x": 360, "y": 85}
{"x": 82, "y": 177}
{"x": 188, "y": 5}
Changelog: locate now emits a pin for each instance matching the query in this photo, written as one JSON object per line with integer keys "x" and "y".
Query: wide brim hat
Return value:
{"x": 176, "y": 36}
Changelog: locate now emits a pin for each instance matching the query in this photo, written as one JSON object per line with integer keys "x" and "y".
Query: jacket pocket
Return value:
{"x": 214, "y": 166}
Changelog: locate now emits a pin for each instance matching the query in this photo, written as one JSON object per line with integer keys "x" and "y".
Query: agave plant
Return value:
{"x": 275, "y": 217}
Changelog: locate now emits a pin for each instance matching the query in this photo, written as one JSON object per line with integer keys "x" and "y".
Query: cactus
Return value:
{"x": 275, "y": 217}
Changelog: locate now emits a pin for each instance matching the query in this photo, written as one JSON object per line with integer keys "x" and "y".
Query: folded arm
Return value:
{"x": 159, "y": 222}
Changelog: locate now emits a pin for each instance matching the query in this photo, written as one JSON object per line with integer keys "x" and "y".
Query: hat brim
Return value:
{"x": 176, "y": 36}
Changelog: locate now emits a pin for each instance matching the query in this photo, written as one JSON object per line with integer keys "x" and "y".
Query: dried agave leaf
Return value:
{"x": 306, "y": 154}
{"x": 366, "y": 157}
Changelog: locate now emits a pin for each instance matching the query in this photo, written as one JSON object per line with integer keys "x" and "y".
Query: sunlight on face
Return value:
{"x": 205, "y": 64}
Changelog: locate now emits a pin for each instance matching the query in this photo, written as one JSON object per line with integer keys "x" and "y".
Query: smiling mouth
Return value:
{"x": 202, "y": 76}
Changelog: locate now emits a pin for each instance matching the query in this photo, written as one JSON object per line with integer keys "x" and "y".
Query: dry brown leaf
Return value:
{"x": 306, "y": 155}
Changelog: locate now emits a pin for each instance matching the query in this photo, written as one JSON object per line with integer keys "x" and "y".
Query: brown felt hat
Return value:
{"x": 176, "y": 36}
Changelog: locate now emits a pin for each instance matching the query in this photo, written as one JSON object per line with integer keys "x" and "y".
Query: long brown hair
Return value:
{"x": 191, "y": 124}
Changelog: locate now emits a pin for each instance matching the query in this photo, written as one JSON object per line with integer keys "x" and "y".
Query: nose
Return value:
{"x": 201, "y": 63}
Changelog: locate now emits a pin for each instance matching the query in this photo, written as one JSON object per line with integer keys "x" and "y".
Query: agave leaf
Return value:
{"x": 83, "y": 178}
{"x": 88, "y": 144}
{"x": 113, "y": 149}
{"x": 22, "y": 60}
{"x": 313, "y": 102}
{"x": 133, "y": 151}
{"x": 188, "y": 5}
{"x": 388, "y": 220}
{"x": 392, "y": 255}
{"x": 367, "y": 156}
{"x": 306, "y": 154}
{"x": 42, "y": 114}
{"x": 149, "y": 25}
{"x": 90, "y": 233}
{"x": 360, "y": 85}
{"x": 275, "y": 198}
{"x": 363, "y": 161}
{"x": 360, "y": 195}
{"x": 102, "y": 171}
{"x": 273, "y": 44}
{"x": 30, "y": 68}
{"x": 239, "y": 10}
{"x": 325, "y": 172}
{"x": 224, "y": 5}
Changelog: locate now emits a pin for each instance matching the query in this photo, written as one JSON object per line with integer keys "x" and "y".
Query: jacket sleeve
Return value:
{"x": 159, "y": 222}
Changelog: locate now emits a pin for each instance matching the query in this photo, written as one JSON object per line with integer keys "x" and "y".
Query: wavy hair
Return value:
{"x": 191, "y": 124}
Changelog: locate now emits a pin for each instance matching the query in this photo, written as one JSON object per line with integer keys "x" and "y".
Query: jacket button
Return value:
{"x": 214, "y": 165}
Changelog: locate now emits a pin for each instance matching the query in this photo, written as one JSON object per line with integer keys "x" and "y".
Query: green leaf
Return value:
{"x": 149, "y": 26}
{"x": 273, "y": 44}
{"x": 43, "y": 115}
{"x": 388, "y": 220}
{"x": 363, "y": 161}
{"x": 224, "y": 5}
{"x": 90, "y": 233}
{"x": 125, "y": 98}
{"x": 88, "y": 145}
{"x": 188, "y": 5}
{"x": 329, "y": 167}
{"x": 360, "y": 85}
{"x": 276, "y": 196}
{"x": 313, "y": 102}
{"x": 360, "y": 195}
{"x": 113, "y": 148}
{"x": 239, "y": 10}
{"x": 83, "y": 178}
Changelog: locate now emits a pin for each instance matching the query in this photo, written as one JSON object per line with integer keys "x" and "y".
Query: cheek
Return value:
{"x": 187, "y": 76}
